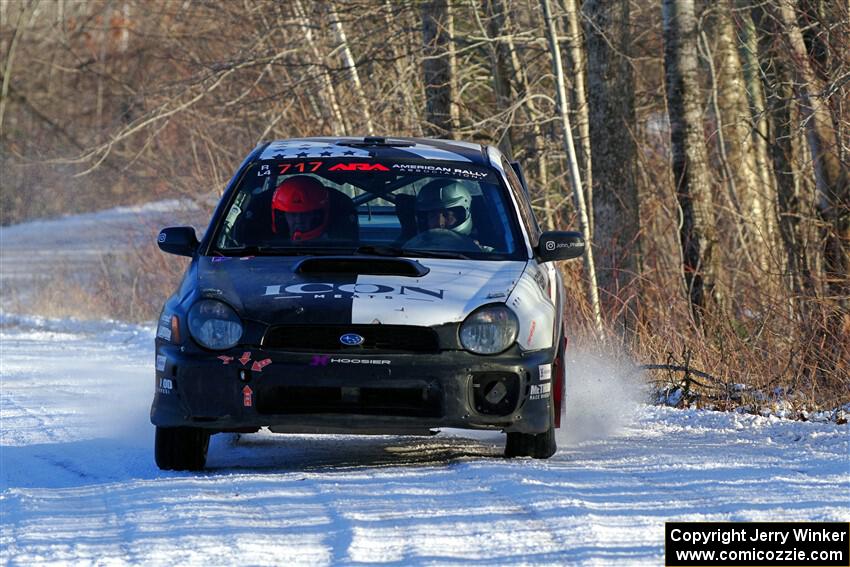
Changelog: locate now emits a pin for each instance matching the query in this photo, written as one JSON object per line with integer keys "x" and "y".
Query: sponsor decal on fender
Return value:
{"x": 160, "y": 362}
{"x": 545, "y": 372}
{"x": 165, "y": 386}
{"x": 540, "y": 391}
{"x": 531, "y": 333}
{"x": 164, "y": 332}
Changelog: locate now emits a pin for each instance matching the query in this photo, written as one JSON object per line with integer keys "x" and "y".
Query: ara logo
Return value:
{"x": 351, "y": 339}
{"x": 358, "y": 166}
{"x": 321, "y": 290}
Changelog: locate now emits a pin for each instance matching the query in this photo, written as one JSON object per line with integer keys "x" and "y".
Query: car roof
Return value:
{"x": 376, "y": 147}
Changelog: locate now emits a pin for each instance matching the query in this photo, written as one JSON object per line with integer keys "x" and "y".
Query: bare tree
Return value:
{"x": 831, "y": 177}
{"x": 734, "y": 136}
{"x": 439, "y": 68}
{"x": 331, "y": 103}
{"x": 582, "y": 112}
{"x": 575, "y": 175}
{"x": 351, "y": 67}
{"x": 690, "y": 163}
{"x": 612, "y": 119}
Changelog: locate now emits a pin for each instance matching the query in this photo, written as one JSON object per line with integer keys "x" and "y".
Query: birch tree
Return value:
{"x": 575, "y": 175}
{"x": 351, "y": 67}
{"x": 582, "y": 112}
{"x": 735, "y": 137}
{"x": 697, "y": 235}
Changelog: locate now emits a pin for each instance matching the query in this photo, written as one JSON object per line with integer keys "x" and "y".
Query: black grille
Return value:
{"x": 377, "y": 338}
{"x": 413, "y": 402}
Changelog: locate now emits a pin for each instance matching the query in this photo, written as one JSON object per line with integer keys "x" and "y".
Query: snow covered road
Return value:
{"x": 78, "y": 483}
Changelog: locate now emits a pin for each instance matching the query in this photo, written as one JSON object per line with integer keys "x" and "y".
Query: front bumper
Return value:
{"x": 244, "y": 389}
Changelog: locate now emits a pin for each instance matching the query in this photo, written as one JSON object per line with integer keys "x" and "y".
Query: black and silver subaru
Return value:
{"x": 364, "y": 285}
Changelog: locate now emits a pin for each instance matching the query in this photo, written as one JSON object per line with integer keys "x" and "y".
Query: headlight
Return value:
{"x": 214, "y": 324}
{"x": 489, "y": 330}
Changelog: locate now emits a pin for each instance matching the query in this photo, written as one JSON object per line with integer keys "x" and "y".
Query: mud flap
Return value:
{"x": 560, "y": 379}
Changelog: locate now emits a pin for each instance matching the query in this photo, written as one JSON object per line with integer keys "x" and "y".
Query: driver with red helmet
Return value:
{"x": 302, "y": 204}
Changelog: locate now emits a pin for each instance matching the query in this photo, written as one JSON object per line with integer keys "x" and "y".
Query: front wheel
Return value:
{"x": 535, "y": 445}
{"x": 181, "y": 448}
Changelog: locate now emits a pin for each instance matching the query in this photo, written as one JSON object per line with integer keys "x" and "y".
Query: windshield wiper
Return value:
{"x": 434, "y": 253}
{"x": 281, "y": 250}
{"x": 408, "y": 252}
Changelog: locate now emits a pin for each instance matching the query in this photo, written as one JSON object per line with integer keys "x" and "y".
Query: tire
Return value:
{"x": 181, "y": 448}
{"x": 536, "y": 446}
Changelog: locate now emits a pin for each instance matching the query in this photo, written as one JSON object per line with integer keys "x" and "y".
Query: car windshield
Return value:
{"x": 413, "y": 208}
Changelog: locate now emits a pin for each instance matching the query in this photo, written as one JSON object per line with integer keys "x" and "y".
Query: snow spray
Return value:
{"x": 602, "y": 396}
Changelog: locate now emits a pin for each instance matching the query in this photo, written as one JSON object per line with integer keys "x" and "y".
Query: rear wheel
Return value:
{"x": 181, "y": 448}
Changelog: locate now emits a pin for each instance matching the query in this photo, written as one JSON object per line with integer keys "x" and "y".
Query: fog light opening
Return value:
{"x": 495, "y": 393}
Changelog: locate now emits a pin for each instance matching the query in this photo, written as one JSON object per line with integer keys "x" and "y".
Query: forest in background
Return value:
{"x": 702, "y": 147}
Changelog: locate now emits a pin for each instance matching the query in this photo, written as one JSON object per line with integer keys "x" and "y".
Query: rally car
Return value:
{"x": 364, "y": 285}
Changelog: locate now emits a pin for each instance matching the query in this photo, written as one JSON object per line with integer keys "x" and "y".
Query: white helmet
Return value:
{"x": 446, "y": 204}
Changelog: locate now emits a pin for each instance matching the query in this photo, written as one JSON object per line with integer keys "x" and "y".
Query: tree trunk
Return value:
{"x": 831, "y": 179}
{"x": 756, "y": 96}
{"x": 738, "y": 149}
{"x": 615, "y": 195}
{"x": 575, "y": 175}
{"x": 334, "y": 114}
{"x": 351, "y": 66}
{"x": 789, "y": 200}
{"x": 412, "y": 117}
{"x": 499, "y": 63}
{"x": 535, "y": 117}
{"x": 577, "y": 58}
{"x": 690, "y": 166}
{"x": 438, "y": 69}
{"x": 20, "y": 28}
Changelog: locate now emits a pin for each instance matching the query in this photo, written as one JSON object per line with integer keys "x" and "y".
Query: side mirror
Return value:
{"x": 560, "y": 245}
{"x": 180, "y": 240}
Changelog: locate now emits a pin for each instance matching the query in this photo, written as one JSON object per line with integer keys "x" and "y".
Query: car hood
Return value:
{"x": 269, "y": 289}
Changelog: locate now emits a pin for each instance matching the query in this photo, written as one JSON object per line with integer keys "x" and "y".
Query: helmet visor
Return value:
{"x": 299, "y": 225}
{"x": 448, "y": 218}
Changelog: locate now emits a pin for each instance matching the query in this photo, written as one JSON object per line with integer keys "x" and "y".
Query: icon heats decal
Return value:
{"x": 259, "y": 365}
{"x": 247, "y": 396}
{"x": 245, "y": 358}
{"x": 225, "y": 359}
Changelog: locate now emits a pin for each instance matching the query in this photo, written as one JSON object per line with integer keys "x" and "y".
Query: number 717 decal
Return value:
{"x": 300, "y": 167}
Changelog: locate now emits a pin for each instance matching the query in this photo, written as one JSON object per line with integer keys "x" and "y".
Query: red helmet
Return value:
{"x": 303, "y": 203}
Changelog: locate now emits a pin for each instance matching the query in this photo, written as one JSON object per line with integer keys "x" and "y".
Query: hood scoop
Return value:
{"x": 365, "y": 265}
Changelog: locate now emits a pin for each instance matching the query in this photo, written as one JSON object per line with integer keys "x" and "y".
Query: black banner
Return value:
{"x": 694, "y": 544}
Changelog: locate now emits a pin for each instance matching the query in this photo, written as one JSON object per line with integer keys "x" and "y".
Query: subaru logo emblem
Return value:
{"x": 351, "y": 339}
